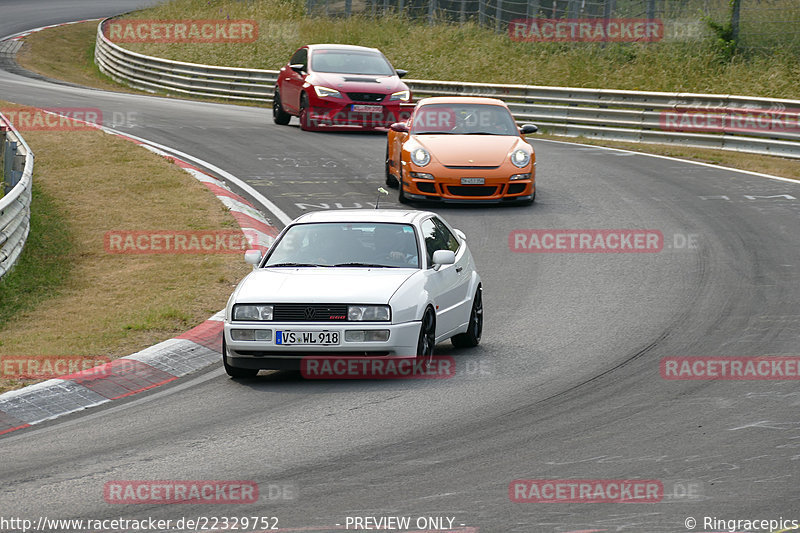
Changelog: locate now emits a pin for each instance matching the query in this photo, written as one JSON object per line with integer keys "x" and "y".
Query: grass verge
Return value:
{"x": 67, "y": 295}
{"x": 469, "y": 52}
{"x": 67, "y": 53}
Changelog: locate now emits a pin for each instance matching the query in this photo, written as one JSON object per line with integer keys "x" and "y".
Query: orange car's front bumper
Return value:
{"x": 458, "y": 185}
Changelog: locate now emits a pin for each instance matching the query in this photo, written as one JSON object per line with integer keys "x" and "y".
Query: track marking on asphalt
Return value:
{"x": 260, "y": 198}
{"x": 668, "y": 158}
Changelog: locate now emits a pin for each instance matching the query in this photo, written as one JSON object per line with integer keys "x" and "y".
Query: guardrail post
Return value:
{"x": 651, "y": 9}
{"x": 2, "y": 161}
{"x": 533, "y": 9}
{"x": 17, "y": 165}
{"x": 608, "y": 8}
{"x": 9, "y": 174}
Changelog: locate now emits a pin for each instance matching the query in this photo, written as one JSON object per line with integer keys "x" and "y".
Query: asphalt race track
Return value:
{"x": 565, "y": 384}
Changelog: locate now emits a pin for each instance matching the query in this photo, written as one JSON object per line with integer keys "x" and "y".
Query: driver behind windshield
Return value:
{"x": 394, "y": 246}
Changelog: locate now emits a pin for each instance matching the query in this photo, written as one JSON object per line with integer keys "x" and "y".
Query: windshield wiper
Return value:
{"x": 369, "y": 265}
{"x": 292, "y": 265}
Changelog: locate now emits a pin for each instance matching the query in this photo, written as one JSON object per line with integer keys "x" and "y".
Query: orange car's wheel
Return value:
{"x": 391, "y": 181}
{"x": 401, "y": 196}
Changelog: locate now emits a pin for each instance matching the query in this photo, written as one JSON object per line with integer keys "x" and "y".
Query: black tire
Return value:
{"x": 401, "y": 196}
{"x": 234, "y": 371}
{"x": 279, "y": 116}
{"x": 472, "y": 337}
{"x": 391, "y": 181}
{"x": 427, "y": 335}
{"x": 304, "y": 113}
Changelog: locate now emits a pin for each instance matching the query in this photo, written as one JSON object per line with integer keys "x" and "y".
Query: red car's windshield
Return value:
{"x": 350, "y": 62}
{"x": 464, "y": 119}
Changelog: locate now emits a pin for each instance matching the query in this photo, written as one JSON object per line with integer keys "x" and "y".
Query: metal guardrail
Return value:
{"x": 633, "y": 116}
{"x": 17, "y": 160}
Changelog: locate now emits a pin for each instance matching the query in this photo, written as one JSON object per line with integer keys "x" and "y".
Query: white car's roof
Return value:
{"x": 406, "y": 216}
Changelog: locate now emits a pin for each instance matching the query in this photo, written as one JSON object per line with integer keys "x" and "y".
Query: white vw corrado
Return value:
{"x": 353, "y": 283}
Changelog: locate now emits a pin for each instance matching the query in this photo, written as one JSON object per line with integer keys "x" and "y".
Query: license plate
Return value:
{"x": 361, "y": 108}
{"x": 472, "y": 181}
{"x": 295, "y": 338}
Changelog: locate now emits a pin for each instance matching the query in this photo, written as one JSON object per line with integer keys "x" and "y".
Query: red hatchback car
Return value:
{"x": 333, "y": 86}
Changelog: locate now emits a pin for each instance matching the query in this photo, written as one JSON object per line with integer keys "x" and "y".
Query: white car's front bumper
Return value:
{"x": 267, "y": 354}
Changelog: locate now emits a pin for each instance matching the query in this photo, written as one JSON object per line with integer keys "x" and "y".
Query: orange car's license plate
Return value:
{"x": 360, "y": 108}
{"x": 472, "y": 181}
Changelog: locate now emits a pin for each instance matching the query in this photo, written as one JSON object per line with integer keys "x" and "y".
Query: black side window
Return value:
{"x": 450, "y": 240}
{"x": 300, "y": 57}
{"x": 437, "y": 237}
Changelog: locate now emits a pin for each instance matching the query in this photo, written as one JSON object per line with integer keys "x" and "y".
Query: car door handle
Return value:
{"x": 459, "y": 269}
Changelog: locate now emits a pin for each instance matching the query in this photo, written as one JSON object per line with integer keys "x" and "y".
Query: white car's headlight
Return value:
{"x": 370, "y": 313}
{"x": 420, "y": 156}
{"x": 252, "y": 312}
{"x": 323, "y": 92}
{"x": 402, "y": 96}
{"x": 520, "y": 158}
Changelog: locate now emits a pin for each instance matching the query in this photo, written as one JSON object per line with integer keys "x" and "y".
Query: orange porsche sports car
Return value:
{"x": 461, "y": 149}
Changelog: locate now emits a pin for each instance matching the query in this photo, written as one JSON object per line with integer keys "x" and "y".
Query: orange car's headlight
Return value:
{"x": 520, "y": 158}
{"x": 420, "y": 156}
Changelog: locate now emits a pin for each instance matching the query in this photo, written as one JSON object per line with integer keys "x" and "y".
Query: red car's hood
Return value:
{"x": 469, "y": 150}
{"x": 357, "y": 82}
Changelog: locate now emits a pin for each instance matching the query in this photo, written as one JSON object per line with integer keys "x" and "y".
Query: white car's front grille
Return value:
{"x": 309, "y": 313}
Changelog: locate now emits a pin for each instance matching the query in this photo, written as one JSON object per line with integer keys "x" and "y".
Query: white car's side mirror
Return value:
{"x": 443, "y": 257}
{"x": 252, "y": 257}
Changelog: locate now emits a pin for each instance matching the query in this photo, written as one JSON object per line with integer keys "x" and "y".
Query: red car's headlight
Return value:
{"x": 327, "y": 92}
{"x": 402, "y": 96}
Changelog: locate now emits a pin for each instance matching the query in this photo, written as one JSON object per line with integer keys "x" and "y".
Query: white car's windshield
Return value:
{"x": 341, "y": 244}
{"x": 350, "y": 62}
{"x": 464, "y": 119}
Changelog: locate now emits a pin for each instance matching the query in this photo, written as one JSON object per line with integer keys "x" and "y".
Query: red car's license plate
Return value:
{"x": 361, "y": 108}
